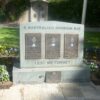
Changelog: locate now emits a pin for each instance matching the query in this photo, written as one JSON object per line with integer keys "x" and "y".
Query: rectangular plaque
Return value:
{"x": 52, "y": 46}
{"x": 32, "y": 46}
{"x": 53, "y": 77}
{"x": 71, "y": 46}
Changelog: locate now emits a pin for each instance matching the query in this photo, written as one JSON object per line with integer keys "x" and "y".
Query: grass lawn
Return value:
{"x": 9, "y": 37}
{"x": 92, "y": 40}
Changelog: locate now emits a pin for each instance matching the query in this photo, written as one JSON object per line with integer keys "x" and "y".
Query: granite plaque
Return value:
{"x": 52, "y": 46}
{"x": 71, "y": 46}
{"x": 32, "y": 46}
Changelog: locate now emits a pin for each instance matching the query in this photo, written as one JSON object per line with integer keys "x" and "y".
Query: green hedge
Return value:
{"x": 71, "y": 11}
{"x": 93, "y": 13}
{"x": 65, "y": 10}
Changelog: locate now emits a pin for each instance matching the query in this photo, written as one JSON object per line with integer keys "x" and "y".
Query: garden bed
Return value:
{"x": 95, "y": 79}
{"x": 5, "y": 85}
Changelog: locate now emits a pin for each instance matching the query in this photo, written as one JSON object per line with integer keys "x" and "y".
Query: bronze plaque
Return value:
{"x": 71, "y": 46}
{"x": 53, "y": 77}
{"x": 52, "y": 46}
{"x": 32, "y": 46}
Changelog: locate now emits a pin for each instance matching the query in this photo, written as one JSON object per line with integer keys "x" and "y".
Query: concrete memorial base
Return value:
{"x": 51, "y": 75}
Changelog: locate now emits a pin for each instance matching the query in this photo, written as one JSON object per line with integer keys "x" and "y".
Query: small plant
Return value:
{"x": 4, "y": 76}
{"x": 93, "y": 67}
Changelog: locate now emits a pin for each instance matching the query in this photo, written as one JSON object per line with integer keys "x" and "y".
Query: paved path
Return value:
{"x": 67, "y": 91}
{"x": 9, "y": 25}
{"x": 92, "y": 29}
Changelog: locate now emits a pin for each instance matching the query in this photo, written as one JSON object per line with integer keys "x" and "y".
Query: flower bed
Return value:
{"x": 4, "y": 78}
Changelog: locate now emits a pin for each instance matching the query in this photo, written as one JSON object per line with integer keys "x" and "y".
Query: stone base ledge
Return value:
{"x": 52, "y": 75}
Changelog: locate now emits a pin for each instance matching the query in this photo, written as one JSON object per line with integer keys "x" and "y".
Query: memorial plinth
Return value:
{"x": 51, "y": 51}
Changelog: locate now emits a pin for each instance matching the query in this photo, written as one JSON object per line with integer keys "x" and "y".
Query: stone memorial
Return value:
{"x": 38, "y": 10}
{"x": 51, "y": 51}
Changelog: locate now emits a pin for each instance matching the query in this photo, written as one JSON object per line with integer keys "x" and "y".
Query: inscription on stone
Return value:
{"x": 32, "y": 46}
{"x": 52, "y": 46}
{"x": 51, "y": 43}
{"x": 71, "y": 46}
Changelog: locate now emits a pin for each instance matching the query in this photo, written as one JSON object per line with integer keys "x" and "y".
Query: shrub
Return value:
{"x": 93, "y": 67}
{"x": 4, "y": 76}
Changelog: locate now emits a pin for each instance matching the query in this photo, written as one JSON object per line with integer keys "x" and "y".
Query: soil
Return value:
{"x": 95, "y": 79}
{"x": 5, "y": 85}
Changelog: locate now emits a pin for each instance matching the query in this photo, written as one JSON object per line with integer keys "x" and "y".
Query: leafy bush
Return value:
{"x": 4, "y": 76}
{"x": 93, "y": 66}
{"x": 9, "y": 49}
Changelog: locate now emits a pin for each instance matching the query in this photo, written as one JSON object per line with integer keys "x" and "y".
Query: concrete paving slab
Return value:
{"x": 89, "y": 91}
{"x": 67, "y": 91}
{"x": 71, "y": 92}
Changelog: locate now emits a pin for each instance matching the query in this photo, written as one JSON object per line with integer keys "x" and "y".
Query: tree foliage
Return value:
{"x": 62, "y": 10}
{"x": 13, "y": 9}
{"x": 65, "y": 10}
{"x": 93, "y": 13}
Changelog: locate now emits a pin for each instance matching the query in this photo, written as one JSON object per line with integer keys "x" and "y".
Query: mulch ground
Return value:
{"x": 95, "y": 79}
{"x": 6, "y": 85}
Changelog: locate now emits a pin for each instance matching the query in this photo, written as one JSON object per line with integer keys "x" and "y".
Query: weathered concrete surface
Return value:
{"x": 67, "y": 91}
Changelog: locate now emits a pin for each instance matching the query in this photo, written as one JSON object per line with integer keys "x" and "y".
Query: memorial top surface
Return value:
{"x": 38, "y": 0}
{"x": 52, "y": 26}
{"x": 51, "y": 43}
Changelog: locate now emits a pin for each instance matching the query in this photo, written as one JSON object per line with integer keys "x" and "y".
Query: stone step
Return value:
{"x": 52, "y": 75}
